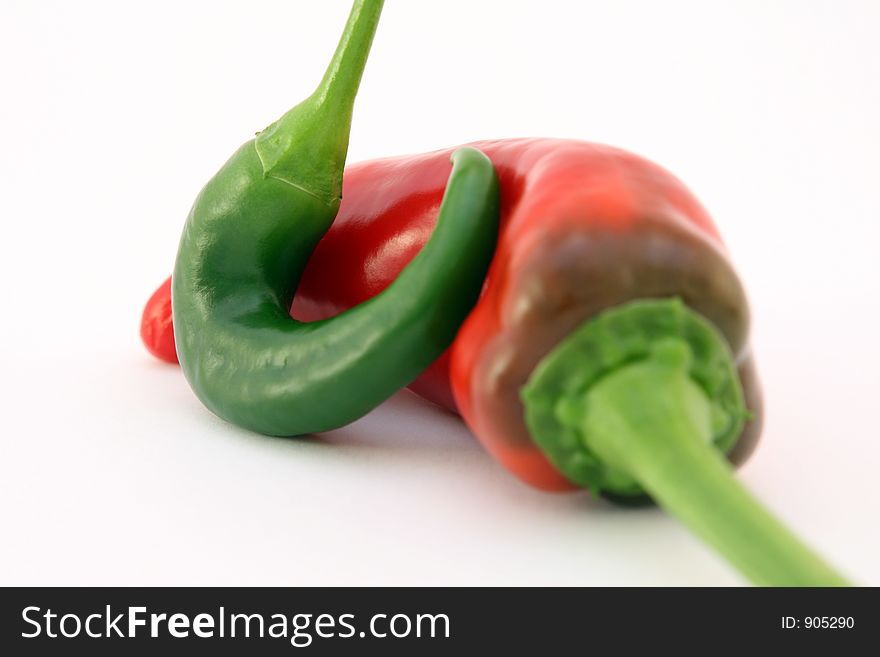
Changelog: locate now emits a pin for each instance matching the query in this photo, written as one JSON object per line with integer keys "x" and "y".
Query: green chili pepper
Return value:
{"x": 248, "y": 238}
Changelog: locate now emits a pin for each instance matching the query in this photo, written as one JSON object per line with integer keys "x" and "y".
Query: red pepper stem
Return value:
{"x": 645, "y": 397}
{"x": 652, "y": 421}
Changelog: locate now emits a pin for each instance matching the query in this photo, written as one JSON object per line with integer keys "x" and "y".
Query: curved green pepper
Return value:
{"x": 248, "y": 238}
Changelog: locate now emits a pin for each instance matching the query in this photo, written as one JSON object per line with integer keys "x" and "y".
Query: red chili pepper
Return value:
{"x": 584, "y": 227}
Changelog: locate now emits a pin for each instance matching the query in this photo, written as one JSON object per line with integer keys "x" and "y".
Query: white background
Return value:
{"x": 113, "y": 115}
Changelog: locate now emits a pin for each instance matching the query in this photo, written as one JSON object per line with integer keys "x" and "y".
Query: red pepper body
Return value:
{"x": 389, "y": 208}
{"x": 591, "y": 227}
{"x": 157, "y": 329}
{"x": 583, "y": 227}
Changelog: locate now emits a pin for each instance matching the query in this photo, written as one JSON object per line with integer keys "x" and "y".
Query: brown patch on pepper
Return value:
{"x": 578, "y": 270}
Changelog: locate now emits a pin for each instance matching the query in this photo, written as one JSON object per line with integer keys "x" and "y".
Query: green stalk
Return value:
{"x": 644, "y": 398}
{"x": 651, "y": 420}
{"x": 307, "y": 146}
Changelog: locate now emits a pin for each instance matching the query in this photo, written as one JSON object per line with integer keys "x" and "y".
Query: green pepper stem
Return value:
{"x": 307, "y": 146}
{"x": 650, "y": 420}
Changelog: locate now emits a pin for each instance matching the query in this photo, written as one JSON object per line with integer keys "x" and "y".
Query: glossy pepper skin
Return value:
{"x": 583, "y": 227}
{"x": 248, "y": 238}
